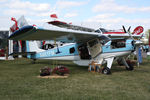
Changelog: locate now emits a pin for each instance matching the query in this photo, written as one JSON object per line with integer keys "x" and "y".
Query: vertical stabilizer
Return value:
{"x": 138, "y": 30}
{"x": 18, "y": 23}
{"x": 22, "y": 22}
{"x": 32, "y": 46}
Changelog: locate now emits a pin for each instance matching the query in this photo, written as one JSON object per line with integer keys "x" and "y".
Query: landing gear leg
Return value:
{"x": 128, "y": 64}
{"x": 106, "y": 70}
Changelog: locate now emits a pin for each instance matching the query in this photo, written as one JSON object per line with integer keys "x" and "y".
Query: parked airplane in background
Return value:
{"x": 82, "y": 45}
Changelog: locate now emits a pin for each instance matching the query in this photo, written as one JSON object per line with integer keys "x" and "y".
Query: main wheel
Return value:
{"x": 130, "y": 66}
{"x": 106, "y": 71}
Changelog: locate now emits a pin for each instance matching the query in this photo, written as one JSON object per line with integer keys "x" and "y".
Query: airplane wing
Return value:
{"x": 33, "y": 33}
{"x": 69, "y": 26}
{"x": 63, "y": 35}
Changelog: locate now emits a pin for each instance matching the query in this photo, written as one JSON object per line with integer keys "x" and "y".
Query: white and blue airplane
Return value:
{"x": 81, "y": 45}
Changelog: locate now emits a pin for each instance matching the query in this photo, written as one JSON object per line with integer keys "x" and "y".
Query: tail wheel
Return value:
{"x": 106, "y": 71}
{"x": 131, "y": 66}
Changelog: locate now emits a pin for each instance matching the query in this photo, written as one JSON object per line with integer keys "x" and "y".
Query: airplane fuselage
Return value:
{"x": 83, "y": 52}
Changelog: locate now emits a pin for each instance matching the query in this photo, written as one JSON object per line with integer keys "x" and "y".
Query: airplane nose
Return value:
{"x": 137, "y": 43}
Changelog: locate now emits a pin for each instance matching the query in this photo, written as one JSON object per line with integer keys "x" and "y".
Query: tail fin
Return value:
{"x": 18, "y": 23}
{"x": 138, "y": 30}
{"x": 22, "y": 22}
{"x": 32, "y": 46}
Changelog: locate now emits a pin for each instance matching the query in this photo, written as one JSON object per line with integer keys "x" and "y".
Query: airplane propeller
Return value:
{"x": 137, "y": 44}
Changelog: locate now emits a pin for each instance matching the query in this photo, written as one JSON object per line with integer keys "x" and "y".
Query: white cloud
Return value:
{"x": 17, "y": 4}
{"x": 18, "y": 8}
{"x": 104, "y": 16}
{"x": 43, "y": 14}
{"x": 108, "y": 21}
{"x": 67, "y": 4}
{"x": 14, "y": 12}
{"x": 40, "y": 7}
{"x": 5, "y": 22}
{"x": 112, "y": 6}
{"x": 3, "y": 0}
{"x": 112, "y": 21}
{"x": 144, "y": 9}
{"x": 118, "y": 20}
{"x": 68, "y": 15}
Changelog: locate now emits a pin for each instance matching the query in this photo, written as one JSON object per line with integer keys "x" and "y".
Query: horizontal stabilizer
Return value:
{"x": 22, "y": 53}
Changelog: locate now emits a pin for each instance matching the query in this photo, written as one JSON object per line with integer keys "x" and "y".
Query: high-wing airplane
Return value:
{"x": 81, "y": 45}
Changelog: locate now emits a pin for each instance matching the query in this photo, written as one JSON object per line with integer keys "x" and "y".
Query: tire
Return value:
{"x": 130, "y": 66}
{"x": 106, "y": 71}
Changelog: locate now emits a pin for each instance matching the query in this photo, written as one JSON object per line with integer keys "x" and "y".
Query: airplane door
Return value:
{"x": 94, "y": 47}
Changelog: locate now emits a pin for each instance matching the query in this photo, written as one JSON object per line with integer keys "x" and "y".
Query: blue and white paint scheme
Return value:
{"x": 81, "y": 47}
{"x": 103, "y": 52}
{"x": 61, "y": 53}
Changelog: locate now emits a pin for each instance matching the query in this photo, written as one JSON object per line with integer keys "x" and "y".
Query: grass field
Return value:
{"x": 18, "y": 81}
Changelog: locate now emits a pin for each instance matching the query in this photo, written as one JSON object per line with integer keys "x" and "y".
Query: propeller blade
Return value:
{"x": 124, "y": 29}
{"x": 129, "y": 29}
{"x": 130, "y": 33}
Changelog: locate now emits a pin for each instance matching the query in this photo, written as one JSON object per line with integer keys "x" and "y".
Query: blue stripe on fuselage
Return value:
{"x": 64, "y": 51}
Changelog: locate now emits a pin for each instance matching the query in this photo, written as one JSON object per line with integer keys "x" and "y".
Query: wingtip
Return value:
{"x": 20, "y": 31}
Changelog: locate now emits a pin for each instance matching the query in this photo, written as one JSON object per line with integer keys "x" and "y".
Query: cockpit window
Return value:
{"x": 101, "y": 30}
{"x": 118, "y": 43}
{"x": 104, "y": 39}
{"x": 98, "y": 31}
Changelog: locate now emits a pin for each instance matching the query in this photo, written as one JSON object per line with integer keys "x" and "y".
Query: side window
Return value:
{"x": 72, "y": 50}
{"x": 118, "y": 43}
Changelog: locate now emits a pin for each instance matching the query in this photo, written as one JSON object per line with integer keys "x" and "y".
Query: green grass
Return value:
{"x": 18, "y": 81}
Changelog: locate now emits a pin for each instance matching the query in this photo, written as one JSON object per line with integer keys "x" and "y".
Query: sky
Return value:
{"x": 109, "y": 14}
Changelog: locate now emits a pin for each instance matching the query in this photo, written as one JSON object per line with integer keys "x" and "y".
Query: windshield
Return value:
{"x": 103, "y": 39}
{"x": 101, "y": 30}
